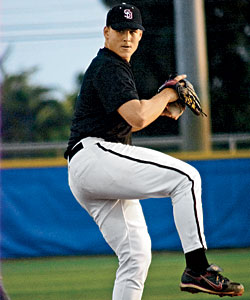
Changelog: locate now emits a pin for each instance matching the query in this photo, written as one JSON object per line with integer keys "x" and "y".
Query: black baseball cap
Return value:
{"x": 124, "y": 16}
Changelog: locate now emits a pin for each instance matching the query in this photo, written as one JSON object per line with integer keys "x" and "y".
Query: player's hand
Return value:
{"x": 172, "y": 94}
{"x": 174, "y": 110}
{"x": 177, "y": 78}
{"x": 180, "y": 77}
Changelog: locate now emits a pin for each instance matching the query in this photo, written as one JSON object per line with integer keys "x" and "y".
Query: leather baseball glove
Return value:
{"x": 187, "y": 94}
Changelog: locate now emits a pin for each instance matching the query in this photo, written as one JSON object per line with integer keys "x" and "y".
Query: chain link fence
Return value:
{"x": 226, "y": 142}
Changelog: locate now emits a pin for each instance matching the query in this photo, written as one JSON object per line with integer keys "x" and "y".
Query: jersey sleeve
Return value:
{"x": 115, "y": 85}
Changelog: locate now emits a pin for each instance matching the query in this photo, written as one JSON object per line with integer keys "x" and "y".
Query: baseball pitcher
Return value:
{"x": 108, "y": 176}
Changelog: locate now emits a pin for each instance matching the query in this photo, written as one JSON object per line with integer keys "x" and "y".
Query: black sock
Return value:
{"x": 196, "y": 260}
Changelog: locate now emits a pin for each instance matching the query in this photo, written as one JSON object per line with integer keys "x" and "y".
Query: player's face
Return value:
{"x": 124, "y": 42}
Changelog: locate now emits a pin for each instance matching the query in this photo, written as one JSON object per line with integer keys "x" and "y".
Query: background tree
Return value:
{"x": 228, "y": 33}
{"x": 29, "y": 112}
{"x": 70, "y": 99}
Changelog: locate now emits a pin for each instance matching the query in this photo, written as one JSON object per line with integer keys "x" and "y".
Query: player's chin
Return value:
{"x": 128, "y": 52}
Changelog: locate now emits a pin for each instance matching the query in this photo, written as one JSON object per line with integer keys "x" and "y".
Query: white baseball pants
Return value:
{"x": 107, "y": 179}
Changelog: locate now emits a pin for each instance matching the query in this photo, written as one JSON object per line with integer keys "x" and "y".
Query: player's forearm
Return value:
{"x": 151, "y": 109}
{"x": 147, "y": 111}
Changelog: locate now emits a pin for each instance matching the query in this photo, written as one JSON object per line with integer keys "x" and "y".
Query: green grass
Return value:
{"x": 91, "y": 277}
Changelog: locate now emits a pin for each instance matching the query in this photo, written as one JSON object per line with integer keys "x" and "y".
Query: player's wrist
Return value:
{"x": 170, "y": 94}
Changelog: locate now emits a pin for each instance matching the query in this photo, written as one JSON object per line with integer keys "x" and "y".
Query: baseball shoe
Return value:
{"x": 210, "y": 282}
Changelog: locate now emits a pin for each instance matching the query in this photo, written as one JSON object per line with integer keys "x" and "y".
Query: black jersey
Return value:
{"x": 108, "y": 83}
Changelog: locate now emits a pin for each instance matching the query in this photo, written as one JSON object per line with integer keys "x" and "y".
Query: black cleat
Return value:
{"x": 210, "y": 282}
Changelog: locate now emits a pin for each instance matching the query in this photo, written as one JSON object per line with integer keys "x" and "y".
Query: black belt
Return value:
{"x": 73, "y": 151}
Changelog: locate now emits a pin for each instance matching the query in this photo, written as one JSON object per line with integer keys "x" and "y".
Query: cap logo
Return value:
{"x": 128, "y": 14}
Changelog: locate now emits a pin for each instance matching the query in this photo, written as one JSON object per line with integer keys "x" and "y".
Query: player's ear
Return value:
{"x": 106, "y": 31}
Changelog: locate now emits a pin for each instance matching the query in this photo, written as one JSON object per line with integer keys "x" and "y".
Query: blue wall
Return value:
{"x": 41, "y": 218}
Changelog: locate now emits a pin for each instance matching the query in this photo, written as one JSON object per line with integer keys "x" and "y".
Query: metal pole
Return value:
{"x": 191, "y": 55}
